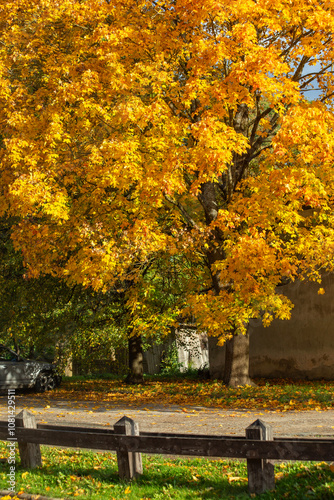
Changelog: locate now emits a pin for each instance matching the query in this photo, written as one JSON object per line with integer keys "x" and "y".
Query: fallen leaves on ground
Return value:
{"x": 280, "y": 395}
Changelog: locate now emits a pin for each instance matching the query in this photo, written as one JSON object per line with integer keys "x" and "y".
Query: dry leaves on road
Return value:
{"x": 282, "y": 395}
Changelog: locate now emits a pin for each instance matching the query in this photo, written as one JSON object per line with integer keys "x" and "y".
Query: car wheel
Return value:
{"x": 52, "y": 383}
{"x": 45, "y": 382}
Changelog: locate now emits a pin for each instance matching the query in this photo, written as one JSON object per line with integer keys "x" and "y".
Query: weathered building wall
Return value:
{"x": 302, "y": 347}
{"x": 192, "y": 348}
{"x": 192, "y": 351}
{"x": 152, "y": 357}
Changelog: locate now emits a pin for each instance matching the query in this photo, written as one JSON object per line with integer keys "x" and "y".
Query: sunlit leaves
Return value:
{"x": 116, "y": 115}
{"x": 277, "y": 395}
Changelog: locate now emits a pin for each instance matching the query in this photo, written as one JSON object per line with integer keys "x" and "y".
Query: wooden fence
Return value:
{"x": 258, "y": 447}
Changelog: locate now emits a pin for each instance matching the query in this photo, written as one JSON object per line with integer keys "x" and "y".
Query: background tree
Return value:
{"x": 43, "y": 317}
{"x": 137, "y": 129}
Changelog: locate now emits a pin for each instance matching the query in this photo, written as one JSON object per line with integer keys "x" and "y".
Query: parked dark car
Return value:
{"x": 17, "y": 372}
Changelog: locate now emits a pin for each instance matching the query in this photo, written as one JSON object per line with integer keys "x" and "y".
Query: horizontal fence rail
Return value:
{"x": 209, "y": 446}
{"x": 258, "y": 447}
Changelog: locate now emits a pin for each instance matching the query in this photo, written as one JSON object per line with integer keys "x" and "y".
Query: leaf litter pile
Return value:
{"x": 280, "y": 395}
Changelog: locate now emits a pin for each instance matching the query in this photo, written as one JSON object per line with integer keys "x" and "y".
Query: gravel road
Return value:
{"x": 166, "y": 418}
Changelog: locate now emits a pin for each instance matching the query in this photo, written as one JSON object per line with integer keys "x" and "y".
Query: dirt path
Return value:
{"x": 166, "y": 418}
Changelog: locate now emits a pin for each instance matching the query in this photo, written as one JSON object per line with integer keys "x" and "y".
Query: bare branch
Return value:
{"x": 183, "y": 211}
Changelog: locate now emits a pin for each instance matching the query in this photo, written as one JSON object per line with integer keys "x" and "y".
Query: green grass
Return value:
{"x": 68, "y": 473}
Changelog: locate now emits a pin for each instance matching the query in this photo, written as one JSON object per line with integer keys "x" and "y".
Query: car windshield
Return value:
{"x": 7, "y": 355}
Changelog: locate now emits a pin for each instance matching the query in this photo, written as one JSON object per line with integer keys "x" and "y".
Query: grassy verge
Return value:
{"x": 282, "y": 395}
{"x": 70, "y": 473}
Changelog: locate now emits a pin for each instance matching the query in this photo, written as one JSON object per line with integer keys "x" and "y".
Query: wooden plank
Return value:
{"x": 261, "y": 475}
{"x": 72, "y": 428}
{"x": 105, "y": 430}
{"x": 129, "y": 463}
{"x": 30, "y": 452}
{"x": 279, "y": 449}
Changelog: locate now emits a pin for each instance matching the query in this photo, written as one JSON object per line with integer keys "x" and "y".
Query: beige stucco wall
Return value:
{"x": 302, "y": 347}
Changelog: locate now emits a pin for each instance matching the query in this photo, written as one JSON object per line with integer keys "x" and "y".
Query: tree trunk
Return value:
{"x": 216, "y": 358}
{"x": 236, "y": 371}
{"x": 135, "y": 361}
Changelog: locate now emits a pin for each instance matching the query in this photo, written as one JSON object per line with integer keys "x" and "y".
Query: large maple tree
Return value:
{"x": 173, "y": 130}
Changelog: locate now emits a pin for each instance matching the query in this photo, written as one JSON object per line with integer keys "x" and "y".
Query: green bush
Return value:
{"x": 170, "y": 364}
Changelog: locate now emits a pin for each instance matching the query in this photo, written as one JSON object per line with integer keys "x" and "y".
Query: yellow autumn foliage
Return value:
{"x": 137, "y": 130}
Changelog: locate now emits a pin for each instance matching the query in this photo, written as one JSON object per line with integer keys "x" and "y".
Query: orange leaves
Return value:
{"x": 115, "y": 118}
{"x": 215, "y": 145}
{"x": 280, "y": 395}
{"x": 310, "y": 129}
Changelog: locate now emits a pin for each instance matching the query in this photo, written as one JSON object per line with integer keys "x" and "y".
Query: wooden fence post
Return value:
{"x": 129, "y": 463}
{"x": 30, "y": 453}
{"x": 261, "y": 476}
